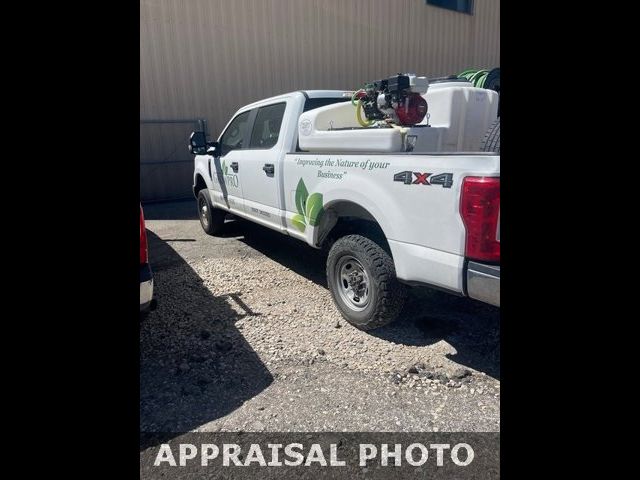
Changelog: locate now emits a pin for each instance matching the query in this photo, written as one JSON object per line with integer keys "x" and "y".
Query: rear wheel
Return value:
{"x": 363, "y": 283}
{"x": 211, "y": 218}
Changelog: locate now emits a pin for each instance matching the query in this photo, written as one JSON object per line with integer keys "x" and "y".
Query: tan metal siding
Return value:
{"x": 207, "y": 58}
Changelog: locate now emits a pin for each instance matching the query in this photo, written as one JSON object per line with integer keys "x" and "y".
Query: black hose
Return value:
{"x": 492, "y": 82}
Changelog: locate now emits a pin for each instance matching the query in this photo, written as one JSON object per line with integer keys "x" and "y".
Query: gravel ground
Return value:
{"x": 246, "y": 337}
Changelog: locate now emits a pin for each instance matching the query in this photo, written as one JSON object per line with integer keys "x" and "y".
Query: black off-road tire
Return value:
{"x": 211, "y": 218}
{"x": 491, "y": 140}
{"x": 387, "y": 294}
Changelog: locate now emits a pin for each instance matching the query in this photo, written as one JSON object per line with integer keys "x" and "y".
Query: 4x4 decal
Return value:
{"x": 421, "y": 178}
{"x": 407, "y": 177}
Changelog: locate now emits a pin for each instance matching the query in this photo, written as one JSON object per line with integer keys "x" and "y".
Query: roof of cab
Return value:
{"x": 307, "y": 93}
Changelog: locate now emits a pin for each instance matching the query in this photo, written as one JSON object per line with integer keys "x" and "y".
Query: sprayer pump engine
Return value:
{"x": 397, "y": 99}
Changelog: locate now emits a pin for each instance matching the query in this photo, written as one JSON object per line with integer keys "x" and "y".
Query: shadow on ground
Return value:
{"x": 195, "y": 366}
{"x": 185, "y": 209}
{"x": 470, "y": 327}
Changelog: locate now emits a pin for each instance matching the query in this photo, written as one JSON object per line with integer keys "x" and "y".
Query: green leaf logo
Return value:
{"x": 301, "y": 197}
{"x": 224, "y": 167}
{"x": 314, "y": 208}
{"x": 309, "y": 208}
{"x": 298, "y": 222}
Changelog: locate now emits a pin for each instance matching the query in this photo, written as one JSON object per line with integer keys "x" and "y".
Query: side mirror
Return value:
{"x": 198, "y": 143}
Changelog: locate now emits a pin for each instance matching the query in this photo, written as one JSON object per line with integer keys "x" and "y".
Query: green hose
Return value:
{"x": 476, "y": 77}
{"x": 362, "y": 121}
{"x": 353, "y": 98}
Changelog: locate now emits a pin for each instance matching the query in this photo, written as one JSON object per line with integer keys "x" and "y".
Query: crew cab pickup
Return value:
{"x": 391, "y": 216}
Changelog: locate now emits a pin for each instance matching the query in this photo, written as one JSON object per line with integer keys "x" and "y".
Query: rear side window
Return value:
{"x": 313, "y": 103}
{"x": 266, "y": 128}
{"x": 233, "y": 137}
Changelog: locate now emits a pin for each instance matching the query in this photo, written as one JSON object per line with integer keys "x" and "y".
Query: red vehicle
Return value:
{"x": 147, "y": 302}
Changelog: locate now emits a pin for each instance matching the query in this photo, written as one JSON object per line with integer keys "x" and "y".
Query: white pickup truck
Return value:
{"x": 395, "y": 205}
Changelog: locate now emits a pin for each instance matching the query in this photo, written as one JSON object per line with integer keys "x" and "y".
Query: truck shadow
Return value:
{"x": 195, "y": 366}
{"x": 472, "y": 328}
{"x": 429, "y": 316}
{"x": 290, "y": 252}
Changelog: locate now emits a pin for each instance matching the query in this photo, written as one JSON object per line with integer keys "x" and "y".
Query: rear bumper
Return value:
{"x": 483, "y": 282}
{"x": 146, "y": 287}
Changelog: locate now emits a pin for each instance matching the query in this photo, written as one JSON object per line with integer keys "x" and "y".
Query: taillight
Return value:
{"x": 412, "y": 110}
{"x": 143, "y": 240}
{"x": 480, "y": 210}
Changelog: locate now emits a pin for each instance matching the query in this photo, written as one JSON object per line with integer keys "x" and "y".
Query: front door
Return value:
{"x": 225, "y": 169}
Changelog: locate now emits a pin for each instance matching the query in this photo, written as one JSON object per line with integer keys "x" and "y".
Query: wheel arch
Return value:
{"x": 198, "y": 183}
{"x": 345, "y": 217}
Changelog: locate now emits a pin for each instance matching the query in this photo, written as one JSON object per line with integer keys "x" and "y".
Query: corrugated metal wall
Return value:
{"x": 207, "y": 58}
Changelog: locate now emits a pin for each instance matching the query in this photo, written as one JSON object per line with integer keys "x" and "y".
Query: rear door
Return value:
{"x": 225, "y": 169}
{"x": 261, "y": 166}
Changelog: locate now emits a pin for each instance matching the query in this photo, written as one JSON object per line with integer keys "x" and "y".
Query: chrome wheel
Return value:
{"x": 352, "y": 282}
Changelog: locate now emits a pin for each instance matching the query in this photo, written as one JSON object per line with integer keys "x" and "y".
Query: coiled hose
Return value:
{"x": 489, "y": 79}
{"x": 476, "y": 77}
{"x": 359, "y": 109}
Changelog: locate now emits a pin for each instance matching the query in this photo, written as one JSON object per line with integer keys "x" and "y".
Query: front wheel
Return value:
{"x": 363, "y": 283}
{"x": 211, "y": 219}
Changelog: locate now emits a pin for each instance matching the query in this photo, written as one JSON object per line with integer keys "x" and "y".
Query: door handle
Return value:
{"x": 269, "y": 169}
{"x": 234, "y": 166}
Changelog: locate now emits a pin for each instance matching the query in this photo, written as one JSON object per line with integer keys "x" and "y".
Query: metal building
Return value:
{"x": 203, "y": 59}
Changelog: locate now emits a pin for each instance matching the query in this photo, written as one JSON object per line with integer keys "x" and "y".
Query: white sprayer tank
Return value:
{"x": 458, "y": 118}
{"x": 335, "y": 128}
{"x": 463, "y": 111}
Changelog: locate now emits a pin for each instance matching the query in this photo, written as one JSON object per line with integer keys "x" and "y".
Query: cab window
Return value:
{"x": 233, "y": 136}
{"x": 266, "y": 128}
